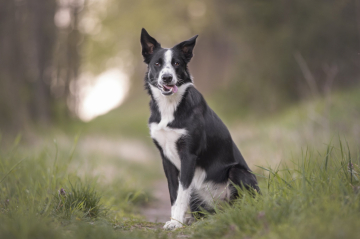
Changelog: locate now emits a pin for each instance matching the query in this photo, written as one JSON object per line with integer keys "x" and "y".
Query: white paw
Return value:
{"x": 173, "y": 224}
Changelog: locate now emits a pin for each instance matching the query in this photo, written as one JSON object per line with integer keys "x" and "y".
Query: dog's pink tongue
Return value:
{"x": 173, "y": 88}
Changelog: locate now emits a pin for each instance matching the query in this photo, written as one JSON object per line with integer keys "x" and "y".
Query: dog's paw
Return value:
{"x": 171, "y": 225}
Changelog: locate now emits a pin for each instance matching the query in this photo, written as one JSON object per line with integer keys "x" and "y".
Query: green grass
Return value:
{"x": 315, "y": 196}
{"x": 78, "y": 198}
{"x": 47, "y": 194}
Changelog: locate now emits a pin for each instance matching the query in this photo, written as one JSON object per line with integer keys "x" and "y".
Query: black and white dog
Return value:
{"x": 200, "y": 159}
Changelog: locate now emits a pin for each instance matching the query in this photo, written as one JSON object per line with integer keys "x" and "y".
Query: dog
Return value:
{"x": 201, "y": 162}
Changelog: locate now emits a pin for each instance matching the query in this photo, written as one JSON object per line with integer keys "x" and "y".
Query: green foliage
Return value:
{"x": 269, "y": 34}
{"x": 78, "y": 198}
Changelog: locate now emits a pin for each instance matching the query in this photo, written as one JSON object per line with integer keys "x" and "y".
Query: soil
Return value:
{"x": 159, "y": 209}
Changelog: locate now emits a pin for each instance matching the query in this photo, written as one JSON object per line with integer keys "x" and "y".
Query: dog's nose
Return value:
{"x": 167, "y": 78}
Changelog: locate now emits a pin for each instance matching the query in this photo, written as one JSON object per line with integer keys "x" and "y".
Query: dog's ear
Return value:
{"x": 149, "y": 45}
{"x": 186, "y": 48}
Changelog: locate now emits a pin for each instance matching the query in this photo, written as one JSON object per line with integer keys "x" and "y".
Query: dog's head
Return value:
{"x": 167, "y": 68}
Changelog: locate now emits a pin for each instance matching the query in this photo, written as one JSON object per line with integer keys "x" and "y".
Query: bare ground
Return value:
{"x": 159, "y": 209}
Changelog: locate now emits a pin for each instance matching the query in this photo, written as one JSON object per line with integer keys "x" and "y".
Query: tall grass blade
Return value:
{"x": 350, "y": 166}
{"x": 11, "y": 170}
{"x": 56, "y": 154}
{"x": 76, "y": 140}
{"x": 327, "y": 157}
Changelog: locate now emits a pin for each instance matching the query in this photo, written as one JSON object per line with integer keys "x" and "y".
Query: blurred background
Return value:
{"x": 283, "y": 75}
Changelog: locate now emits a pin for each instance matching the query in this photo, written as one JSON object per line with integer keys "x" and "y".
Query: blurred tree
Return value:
{"x": 287, "y": 50}
{"x": 29, "y": 43}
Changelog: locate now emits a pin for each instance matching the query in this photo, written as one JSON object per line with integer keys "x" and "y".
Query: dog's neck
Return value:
{"x": 167, "y": 105}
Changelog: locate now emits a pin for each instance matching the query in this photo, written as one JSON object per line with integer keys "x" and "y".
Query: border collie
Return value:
{"x": 201, "y": 161}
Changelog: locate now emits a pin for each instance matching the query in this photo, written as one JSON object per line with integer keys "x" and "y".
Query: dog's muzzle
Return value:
{"x": 167, "y": 85}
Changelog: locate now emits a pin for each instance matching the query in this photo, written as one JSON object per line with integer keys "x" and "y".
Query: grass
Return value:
{"x": 46, "y": 195}
{"x": 318, "y": 196}
{"x": 312, "y": 123}
{"x": 78, "y": 198}
{"x": 313, "y": 196}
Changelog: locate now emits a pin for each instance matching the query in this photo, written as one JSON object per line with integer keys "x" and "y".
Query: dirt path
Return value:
{"x": 159, "y": 209}
{"x": 136, "y": 151}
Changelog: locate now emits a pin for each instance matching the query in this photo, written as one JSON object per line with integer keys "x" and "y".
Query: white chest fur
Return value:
{"x": 167, "y": 138}
{"x": 164, "y": 135}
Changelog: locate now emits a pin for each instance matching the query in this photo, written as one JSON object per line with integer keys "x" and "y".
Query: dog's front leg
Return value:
{"x": 181, "y": 205}
{"x": 172, "y": 175}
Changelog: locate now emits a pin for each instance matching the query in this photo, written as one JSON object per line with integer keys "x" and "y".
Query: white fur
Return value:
{"x": 179, "y": 208}
{"x": 167, "y": 138}
{"x": 207, "y": 192}
{"x": 181, "y": 205}
{"x": 168, "y": 68}
{"x": 167, "y": 104}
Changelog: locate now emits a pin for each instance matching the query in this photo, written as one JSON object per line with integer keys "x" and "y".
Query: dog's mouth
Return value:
{"x": 167, "y": 89}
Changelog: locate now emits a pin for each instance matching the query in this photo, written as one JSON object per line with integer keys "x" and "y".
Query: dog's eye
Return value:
{"x": 176, "y": 63}
{"x": 157, "y": 64}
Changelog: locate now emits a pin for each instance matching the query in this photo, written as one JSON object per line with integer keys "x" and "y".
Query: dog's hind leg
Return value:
{"x": 243, "y": 178}
{"x": 199, "y": 208}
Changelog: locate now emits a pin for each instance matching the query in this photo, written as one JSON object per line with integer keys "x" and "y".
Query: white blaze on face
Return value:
{"x": 168, "y": 68}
